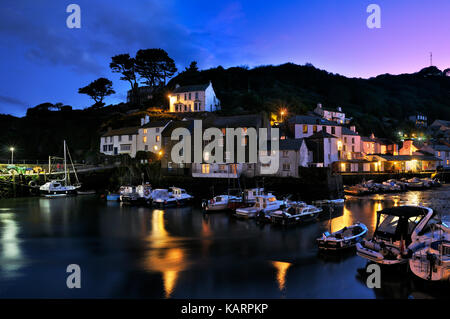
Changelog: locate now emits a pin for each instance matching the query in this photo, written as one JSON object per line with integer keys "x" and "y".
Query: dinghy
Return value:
{"x": 345, "y": 238}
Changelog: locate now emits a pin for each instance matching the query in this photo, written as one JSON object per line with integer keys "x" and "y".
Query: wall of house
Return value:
{"x": 121, "y": 143}
{"x": 149, "y": 141}
{"x": 330, "y": 153}
{"x": 185, "y": 99}
{"x": 298, "y": 130}
{"x": 212, "y": 103}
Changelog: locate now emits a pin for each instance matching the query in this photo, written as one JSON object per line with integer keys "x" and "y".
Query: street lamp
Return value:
{"x": 12, "y": 154}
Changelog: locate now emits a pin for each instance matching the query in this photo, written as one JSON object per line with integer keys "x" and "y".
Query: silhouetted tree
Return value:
{"x": 124, "y": 65}
{"x": 155, "y": 66}
{"x": 192, "y": 67}
{"x": 97, "y": 90}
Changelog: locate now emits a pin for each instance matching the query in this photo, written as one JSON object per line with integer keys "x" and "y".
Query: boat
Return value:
{"x": 432, "y": 263}
{"x": 344, "y": 238}
{"x": 356, "y": 190}
{"x": 221, "y": 203}
{"x": 339, "y": 201}
{"x": 295, "y": 214}
{"x": 61, "y": 188}
{"x": 113, "y": 197}
{"x": 264, "y": 204}
{"x": 399, "y": 229}
{"x": 415, "y": 183}
{"x": 175, "y": 197}
{"x": 139, "y": 195}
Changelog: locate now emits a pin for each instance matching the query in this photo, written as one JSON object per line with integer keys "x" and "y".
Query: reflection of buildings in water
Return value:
{"x": 341, "y": 221}
{"x": 10, "y": 253}
{"x": 282, "y": 268}
{"x": 162, "y": 256}
{"x": 412, "y": 198}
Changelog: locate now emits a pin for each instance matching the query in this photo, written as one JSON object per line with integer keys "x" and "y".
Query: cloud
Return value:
{"x": 11, "y": 100}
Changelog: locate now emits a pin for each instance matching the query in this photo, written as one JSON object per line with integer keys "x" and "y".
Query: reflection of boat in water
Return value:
{"x": 295, "y": 214}
{"x": 344, "y": 238}
{"x": 398, "y": 230}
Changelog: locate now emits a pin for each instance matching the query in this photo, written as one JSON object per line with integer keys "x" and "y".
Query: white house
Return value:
{"x": 149, "y": 135}
{"x": 324, "y": 148}
{"x": 334, "y": 115}
{"x": 293, "y": 153}
{"x": 441, "y": 151}
{"x": 120, "y": 141}
{"x": 194, "y": 98}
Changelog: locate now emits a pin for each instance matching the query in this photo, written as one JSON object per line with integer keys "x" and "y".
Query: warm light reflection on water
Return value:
{"x": 162, "y": 256}
{"x": 342, "y": 221}
{"x": 282, "y": 268}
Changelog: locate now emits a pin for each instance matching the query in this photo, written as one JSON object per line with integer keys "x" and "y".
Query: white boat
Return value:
{"x": 344, "y": 238}
{"x": 264, "y": 204}
{"x": 397, "y": 234}
{"x": 175, "y": 197}
{"x": 136, "y": 195}
{"x": 295, "y": 214}
{"x": 221, "y": 202}
{"x": 61, "y": 188}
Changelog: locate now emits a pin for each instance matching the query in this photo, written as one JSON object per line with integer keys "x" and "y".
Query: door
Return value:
{"x": 116, "y": 151}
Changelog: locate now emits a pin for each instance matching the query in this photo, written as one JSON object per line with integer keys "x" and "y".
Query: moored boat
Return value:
{"x": 295, "y": 214}
{"x": 344, "y": 238}
{"x": 221, "y": 203}
{"x": 175, "y": 197}
{"x": 264, "y": 204}
{"x": 432, "y": 263}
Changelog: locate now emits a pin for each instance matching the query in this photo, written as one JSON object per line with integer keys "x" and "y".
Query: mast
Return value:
{"x": 65, "y": 164}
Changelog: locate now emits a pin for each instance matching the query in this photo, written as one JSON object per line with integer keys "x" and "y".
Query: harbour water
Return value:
{"x": 132, "y": 252}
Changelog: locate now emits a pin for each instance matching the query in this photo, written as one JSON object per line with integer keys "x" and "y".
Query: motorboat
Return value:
{"x": 264, "y": 204}
{"x": 344, "y": 238}
{"x": 432, "y": 262}
{"x": 415, "y": 183}
{"x": 175, "y": 197}
{"x": 61, "y": 188}
{"x": 221, "y": 203}
{"x": 295, "y": 214}
{"x": 399, "y": 229}
{"x": 138, "y": 195}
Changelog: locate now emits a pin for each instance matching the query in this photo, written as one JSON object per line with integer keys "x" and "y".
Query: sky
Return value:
{"x": 42, "y": 60}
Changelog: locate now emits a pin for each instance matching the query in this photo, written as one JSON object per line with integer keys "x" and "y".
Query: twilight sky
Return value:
{"x": 44, "y": 61}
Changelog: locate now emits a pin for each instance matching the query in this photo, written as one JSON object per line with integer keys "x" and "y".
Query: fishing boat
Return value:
{"x": 221, "y": 203}
{"x": 295, "y": 214}
{"x": 397, "y": 233}
{"x": 264, "y": 204}
{"x": 432, "y": 263}
{"x": 175, "y": 197}
{"x": 344, "y": 238}
{"x": 139, "y": 195}
{"x": 61, "y": 188}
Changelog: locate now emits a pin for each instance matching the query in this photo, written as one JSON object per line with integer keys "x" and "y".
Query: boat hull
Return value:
{"x": 58, "y": 193}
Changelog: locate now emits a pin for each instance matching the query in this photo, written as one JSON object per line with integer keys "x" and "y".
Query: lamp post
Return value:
{"x": 12, "y": 155}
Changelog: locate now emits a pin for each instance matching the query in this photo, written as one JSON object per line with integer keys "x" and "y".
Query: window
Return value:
{"x": 286, "y": 167}
{"x": 222, "y": 168}
{"x": 157, "y": 130}
{"x": 205, "y": 168}
{"x": 314, "y": 128}
{"x": 125, "y": 147}
{"x": 146, "y": 148}
{"x": 196, "y": 95}
{"x": 285, "y": 153}
{"x": 305, "y": 129}
{"x": 185, "y": 96}
{"x": 345, "y": 139}
{"x": 448, "y": 162}
{"x": 144, "y": 139}
{"x": 158, "y": 138}
{"x": 439, "y": 154}
{"x": 105, "y": 148}
{"x": 145, "y": 131}
{"x": 185, "y": 108}
{"x": 333, "y": 130}
{"x": 353, "y": 140}
{"x": 353, "y": 148}
{"x": 189, "y": 96}
{"x": 110, "y": 139}
{"x": 130, "y": 137}
{"x": 120, "y": 138}
{"x": 110, "y": 148}
{"x": 178, "y": 97}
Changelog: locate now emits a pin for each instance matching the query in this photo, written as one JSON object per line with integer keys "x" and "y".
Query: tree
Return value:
{"x": 97, "y": 90}
{"x": 124, "y": 64}
{"x": 192, "y": 67}
{"x": 155, "y": 66}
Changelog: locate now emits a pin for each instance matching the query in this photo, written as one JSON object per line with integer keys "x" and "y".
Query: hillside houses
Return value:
{"x": 194, "y": 98}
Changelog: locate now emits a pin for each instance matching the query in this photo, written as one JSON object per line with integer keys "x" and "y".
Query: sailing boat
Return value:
{"x": 61, "y": 188}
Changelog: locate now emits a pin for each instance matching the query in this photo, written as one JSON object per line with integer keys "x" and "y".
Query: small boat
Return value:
{"x": 139, "y": 195}
{"x": 295, "y": 214}
{"x": 264, "y": 204}
{"x": 432, "y": 263}
{"x": 113, "y": 197}
{"x": 345, "y": 238}
{"x": 175, "y": 197}
{"x": 61, "y": 188}
{"x": 356, "y": 190}
{"x": 415, "y": 183}
{"x": 398, "y": 231}
{"x": 339, "y": 201}
{"x": 221, "y": 203}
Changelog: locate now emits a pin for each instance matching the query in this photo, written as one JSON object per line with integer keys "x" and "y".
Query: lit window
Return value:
{"x": 314, "y": 128}
{"x": 205, "y": 168}
{"x": 305, "y": 129}
{"x": 145, "y": 131}
{"x": 144, "y": 139}
{"x": 158, "y": 138}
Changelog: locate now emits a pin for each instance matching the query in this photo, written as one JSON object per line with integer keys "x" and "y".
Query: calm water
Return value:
{"x": 130, "y": 252}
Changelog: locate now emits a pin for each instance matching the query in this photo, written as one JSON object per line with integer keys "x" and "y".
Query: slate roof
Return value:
{"x": 312, "y": 120}
{"x": 388, "y": 157}
{"x": 347, "y": 131}
{"x": 191, "y": 88}
{"x": 122, "y": 131}
{"x": 321, "y": 134}
{"x": 156, "y": 124}
{"x": 290, "y": 144}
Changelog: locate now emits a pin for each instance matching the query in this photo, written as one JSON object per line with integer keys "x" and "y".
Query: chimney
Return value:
{"x": 319, "y": 105}
{"x": 177, "y": 86}
{"x": 353, "y": 128}
{"x": 147, "y": 119}
{"x": 339, "y": 109}
{"x": 372, "y": 136}
{"x": 142, "y": 121}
